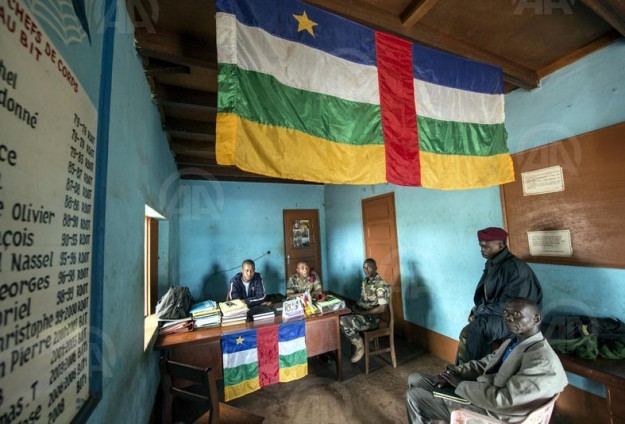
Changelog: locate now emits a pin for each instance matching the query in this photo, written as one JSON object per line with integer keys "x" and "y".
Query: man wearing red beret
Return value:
{"x": 505, "y": 277}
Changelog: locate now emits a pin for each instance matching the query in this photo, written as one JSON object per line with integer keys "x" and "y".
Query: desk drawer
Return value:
{"x": 616, "y": 404}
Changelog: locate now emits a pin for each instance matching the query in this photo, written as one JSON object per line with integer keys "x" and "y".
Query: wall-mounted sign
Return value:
{"x": 550, "y": 243}
{"x": 47, "y": 178}
{"x": 541, "y": 181}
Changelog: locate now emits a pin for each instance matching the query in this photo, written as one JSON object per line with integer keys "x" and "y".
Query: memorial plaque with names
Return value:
{"x": 47, "y": 171}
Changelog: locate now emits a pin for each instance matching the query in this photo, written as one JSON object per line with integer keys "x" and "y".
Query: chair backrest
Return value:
{"x": 191, "y": 383}
{"x": 542, "y": 415}
{"x": 387, "y": 319}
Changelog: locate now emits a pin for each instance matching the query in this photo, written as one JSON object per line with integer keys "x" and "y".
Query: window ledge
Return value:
{"x": 150, "y": 324}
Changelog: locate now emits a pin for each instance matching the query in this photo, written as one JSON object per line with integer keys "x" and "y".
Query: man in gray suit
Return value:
{"x": 522, "y": 375}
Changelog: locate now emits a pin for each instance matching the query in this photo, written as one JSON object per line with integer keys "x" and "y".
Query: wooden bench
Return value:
{"x": 610, "y": 372}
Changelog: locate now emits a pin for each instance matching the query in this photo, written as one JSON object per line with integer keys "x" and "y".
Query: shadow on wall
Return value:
{"x": 273, "y": 278}
{"x": 215, "y": 283}
{"x": 417, "y": 296}
{"x": 348, "y": 285}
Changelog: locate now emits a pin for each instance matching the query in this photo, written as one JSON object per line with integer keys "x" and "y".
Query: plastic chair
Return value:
{"x": 385, "y": 329}
{"x": 198, "y": 385}
{"x": 540, "y": 415}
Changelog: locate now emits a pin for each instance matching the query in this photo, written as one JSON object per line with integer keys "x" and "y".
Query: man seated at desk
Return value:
{"x": 247, "y": 285}
{"x": 303, "y": 280}
{"x": 374, "y": 296}
{"x": 522, "y": 375}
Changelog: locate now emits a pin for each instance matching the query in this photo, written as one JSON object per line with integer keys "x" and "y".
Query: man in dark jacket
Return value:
{"x": 247, "y": 285}
{"x": 505, "y": 277}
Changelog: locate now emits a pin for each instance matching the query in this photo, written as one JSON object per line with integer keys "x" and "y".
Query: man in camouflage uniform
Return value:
{"x": 374, "y": 296}
{"x": 303, "y": 280}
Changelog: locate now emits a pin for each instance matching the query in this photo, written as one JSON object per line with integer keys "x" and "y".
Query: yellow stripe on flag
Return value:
{"x": 241, "y": 389}
{"x": 456, "y": 172}
{"x": 293, "y": 373}
{"x": 286, "y": 153}
{"x": 226, "y": 138}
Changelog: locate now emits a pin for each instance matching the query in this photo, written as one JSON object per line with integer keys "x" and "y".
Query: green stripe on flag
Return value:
{"x": 461, "y": 138}
{"x": 241, "y": 373}
{"x": 272, "y": 103}
{"x": 295, "y": 358}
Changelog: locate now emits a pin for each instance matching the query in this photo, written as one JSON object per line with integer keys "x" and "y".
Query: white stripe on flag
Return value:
{"x": 292, "y": 346}
{"x": 231, "y": 360}
{"x": 293, "y": 64}
{"x": 452, "y": 104}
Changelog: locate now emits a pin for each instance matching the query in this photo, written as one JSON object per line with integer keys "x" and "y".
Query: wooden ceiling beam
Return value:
{"x": 168, "y": 95}
{"x": 194, "y": 148}
{"x": 383, "y": 20}
{"x": 415, "y": 11}
{"x": 175, "y": 48}
{"x": 578, "y": 54}
{"x": 156, "y": 67}
{"x": 190, "y": 130}
{"x": 612, "y": 11}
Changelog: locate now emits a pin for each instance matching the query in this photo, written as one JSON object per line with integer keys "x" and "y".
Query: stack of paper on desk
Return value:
{"x": 206, "y": 314}
{"x": 262, "y": 312}
{"x": 331, "y": 303}
{"x": 233, "y": 312}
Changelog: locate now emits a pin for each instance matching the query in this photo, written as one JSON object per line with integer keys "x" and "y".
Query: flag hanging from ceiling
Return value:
{"x": 307, "y": 95}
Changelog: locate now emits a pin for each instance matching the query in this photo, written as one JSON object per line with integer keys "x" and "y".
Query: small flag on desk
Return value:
{"x": 292, "y": 347}
{"x": 240, "y": 363}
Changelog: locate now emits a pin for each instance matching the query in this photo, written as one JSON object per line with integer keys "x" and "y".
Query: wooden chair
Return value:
{"x": 539, "y": 415}
{"x": 198, "y": 385}
{"x": 385, "y": 329}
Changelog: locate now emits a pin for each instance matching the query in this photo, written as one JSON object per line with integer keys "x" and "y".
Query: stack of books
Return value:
{"x": 206, "y": 314}
{"x": 233, "y": 312}
{"x": 262, "y": 312}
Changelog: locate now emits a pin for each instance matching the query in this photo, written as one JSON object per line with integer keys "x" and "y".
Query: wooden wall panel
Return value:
{"x": 591, "y": 205}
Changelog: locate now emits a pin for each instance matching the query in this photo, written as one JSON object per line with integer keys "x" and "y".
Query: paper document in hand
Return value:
{"x": 449, "y": 393}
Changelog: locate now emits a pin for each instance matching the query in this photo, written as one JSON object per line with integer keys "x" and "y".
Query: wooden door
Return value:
{"x": 301, "y": 240}
{"x": 378, "y": 216}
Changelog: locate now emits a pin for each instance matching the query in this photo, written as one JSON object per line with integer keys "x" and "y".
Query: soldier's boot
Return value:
{"x": 359, "y": 351}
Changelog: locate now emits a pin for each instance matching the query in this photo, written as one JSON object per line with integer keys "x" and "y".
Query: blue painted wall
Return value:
{"x": 439, "y": 258}
{"x": 141, "y": 171}
{"x": 223, "y": 223}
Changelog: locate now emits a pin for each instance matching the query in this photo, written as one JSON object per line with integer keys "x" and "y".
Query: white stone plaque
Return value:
{"x": 541, "y": 181}
{"x": 550, "y": 243}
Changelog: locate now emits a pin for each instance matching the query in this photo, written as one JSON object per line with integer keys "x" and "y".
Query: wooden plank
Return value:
{"x": 187, "y": 98}
{"x": 592, "y": 167}
{"x": 578, "y": 54}
{"x": 612, "y": 11}
{"x": 175, "y": 48}
{"x": 415, "y": 11}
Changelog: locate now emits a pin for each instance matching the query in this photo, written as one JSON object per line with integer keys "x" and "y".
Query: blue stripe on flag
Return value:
{"x": 456, "y": 72}
{"x": 238, "y": 342}
{"x": 291, "y": 331}
{"x": 333, "y": 34}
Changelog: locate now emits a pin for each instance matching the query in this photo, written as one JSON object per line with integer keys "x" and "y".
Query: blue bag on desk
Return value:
{"x": 174, "y": 304}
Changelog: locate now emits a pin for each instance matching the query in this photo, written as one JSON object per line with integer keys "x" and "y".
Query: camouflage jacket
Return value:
{"x": 373, "y": 292}
{"x": 297, "y": 285}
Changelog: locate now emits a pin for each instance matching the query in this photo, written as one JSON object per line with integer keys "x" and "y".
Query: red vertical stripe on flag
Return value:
{"x": 268, "y": 355}
{"x": 397, "y": 105}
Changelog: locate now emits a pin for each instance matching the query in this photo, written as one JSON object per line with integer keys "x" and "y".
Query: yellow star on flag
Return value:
{"x": 304, "y": 23}
{"x": 240, "y": 340}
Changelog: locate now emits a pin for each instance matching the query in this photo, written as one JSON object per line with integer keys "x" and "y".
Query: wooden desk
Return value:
{"x": 610, "y": 372}
{"x": 202, "y": 347}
